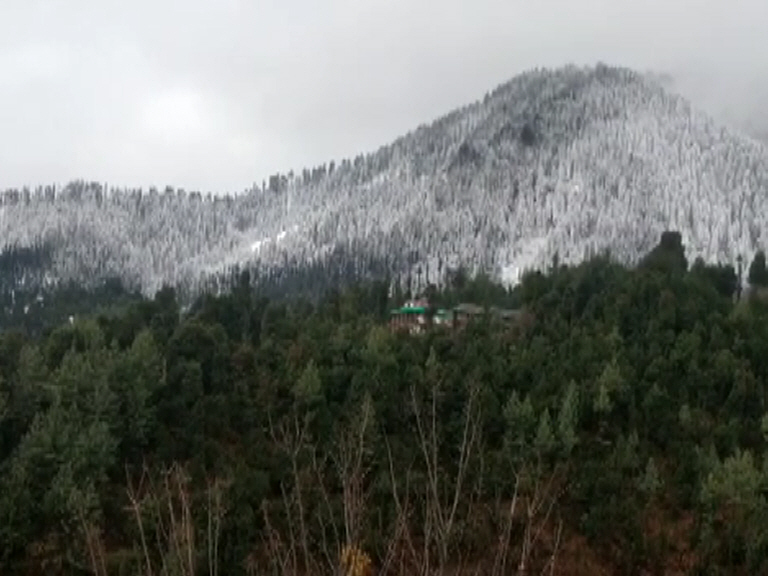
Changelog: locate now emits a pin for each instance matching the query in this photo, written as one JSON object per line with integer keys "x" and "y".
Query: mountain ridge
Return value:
{"x": 563, "y": 162}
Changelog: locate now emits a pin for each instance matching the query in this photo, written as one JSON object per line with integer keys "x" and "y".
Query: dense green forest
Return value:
{"x": 619, "y": 428}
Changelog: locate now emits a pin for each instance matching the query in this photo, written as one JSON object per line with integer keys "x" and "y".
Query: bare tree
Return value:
{"x": 444, "y": 491}
{"x": 215, "y": 515}
{"x": 428, "y": 522}
{"x": 345, "y": 463}
{"x": 351, "y": 449}
{"x": 94, "y": 544}
{"x": 543, "y": 491}
{"x": 167, "y": 502}
{"x": 402, "y": 533}
{"x": 291, "y": 435}
{"x": 499, "y": 567}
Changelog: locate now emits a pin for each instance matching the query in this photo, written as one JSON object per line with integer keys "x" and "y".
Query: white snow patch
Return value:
{"x": 527, "y": 258}
{"x": 257, "y": 245}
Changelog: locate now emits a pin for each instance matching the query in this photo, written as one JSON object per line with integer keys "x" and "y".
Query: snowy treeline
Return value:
{"x": 564, "y": 162}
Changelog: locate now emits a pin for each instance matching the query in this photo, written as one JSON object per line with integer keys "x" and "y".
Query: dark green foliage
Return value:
{"x": 633, "y": 401}
{"x": 668, "y": 256}
{"x": 36, "y": 309}
{"x": 722, "y": 278}
{"x": 758, "y": 273}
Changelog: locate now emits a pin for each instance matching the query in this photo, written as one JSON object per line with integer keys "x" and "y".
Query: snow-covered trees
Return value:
{"x": 570, "y": 161}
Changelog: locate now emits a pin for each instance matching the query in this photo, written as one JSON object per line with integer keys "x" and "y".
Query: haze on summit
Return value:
{"x": 214, "y": 95}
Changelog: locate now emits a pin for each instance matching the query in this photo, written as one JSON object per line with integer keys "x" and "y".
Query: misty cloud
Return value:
{"x": 217, "y": 94}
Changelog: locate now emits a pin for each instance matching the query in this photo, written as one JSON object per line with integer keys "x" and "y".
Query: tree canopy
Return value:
{"x": 620, "y": 425}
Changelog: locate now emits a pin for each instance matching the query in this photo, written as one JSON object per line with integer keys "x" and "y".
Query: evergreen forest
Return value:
{"x": 618, "y": 426}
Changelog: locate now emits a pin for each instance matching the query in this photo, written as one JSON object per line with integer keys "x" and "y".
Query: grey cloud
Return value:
{"x": 216, "y": 94}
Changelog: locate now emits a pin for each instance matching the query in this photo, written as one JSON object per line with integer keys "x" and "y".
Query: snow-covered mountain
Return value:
{"x": 565, "y": 162}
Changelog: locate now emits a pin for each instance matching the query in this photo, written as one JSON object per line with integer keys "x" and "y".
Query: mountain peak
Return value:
{"x": 568, "y": 161}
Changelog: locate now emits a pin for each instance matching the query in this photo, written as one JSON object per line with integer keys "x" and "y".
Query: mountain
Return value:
{"x": 562, "y": 163}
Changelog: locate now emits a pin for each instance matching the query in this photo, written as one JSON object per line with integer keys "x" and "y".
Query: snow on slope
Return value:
{"x": 568, "y": 161}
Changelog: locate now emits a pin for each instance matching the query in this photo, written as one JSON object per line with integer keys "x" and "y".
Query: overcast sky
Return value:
{"x": 217, "y": 94}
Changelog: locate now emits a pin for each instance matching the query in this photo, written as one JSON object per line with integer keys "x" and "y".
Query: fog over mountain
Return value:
{"x": 733, "y": 98}
{"x": 556, "y": 163}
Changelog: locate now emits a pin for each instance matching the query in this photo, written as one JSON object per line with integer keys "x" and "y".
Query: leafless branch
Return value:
{"x": 444, "y": 514}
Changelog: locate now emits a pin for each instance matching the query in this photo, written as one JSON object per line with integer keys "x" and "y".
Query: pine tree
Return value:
{"x": 758, "y": 274}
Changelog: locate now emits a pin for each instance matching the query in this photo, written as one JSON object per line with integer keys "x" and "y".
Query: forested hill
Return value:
{"x": 622, "y": 430}
{"x": 565, "y": 161}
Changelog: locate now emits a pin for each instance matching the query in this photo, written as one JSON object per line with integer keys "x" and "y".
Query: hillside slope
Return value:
{"x": 564, "y": 162}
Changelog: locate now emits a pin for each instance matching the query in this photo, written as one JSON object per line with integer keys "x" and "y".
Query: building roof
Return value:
{"x": 474, "y": 309}
{"x": 421, "y": 307}
{"x": 467, "y": 308}
{"x": 410, "y": 310}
